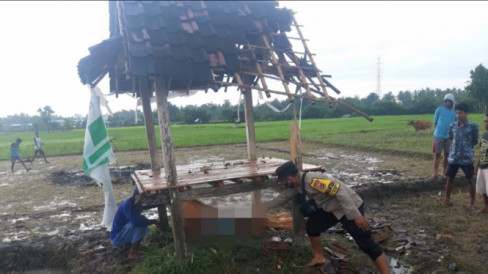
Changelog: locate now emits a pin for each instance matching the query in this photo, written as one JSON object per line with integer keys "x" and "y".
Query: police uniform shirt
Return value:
{"x": 329, "y": 193}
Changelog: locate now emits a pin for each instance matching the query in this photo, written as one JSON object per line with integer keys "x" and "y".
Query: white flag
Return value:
{"x": 97, "y": 154}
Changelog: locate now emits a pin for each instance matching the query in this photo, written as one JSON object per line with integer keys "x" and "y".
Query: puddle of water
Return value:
{"x": 352, "y": 168}
{"x": 83, "y": 216}
{"x": 62, "y": 215}
{"x": 53, "y": 204}
{"x": 89, "y": 226}
{"x": 51, "y": 233}
{"x": 373, "y": 160}
{"x": 15, "y": 236}
{"x": 202, "y": 161}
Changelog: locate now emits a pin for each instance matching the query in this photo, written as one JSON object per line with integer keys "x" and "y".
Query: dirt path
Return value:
{"x": 50, "y": 216}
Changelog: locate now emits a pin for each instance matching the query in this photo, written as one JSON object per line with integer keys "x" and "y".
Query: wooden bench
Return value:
{"x": 195, "y": 181}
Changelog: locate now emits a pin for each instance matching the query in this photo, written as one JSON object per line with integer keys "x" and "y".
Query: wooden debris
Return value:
{"x": 92, "y": 251}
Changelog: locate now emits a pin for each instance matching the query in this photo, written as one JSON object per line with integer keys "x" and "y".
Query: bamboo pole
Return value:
{"x": 307, "y": 52}
{"x": 303, "y": 79}
{"x": 330, "y": 100}
{"x": 296, "y": 157}
{"x": 278, "y": 67}
{"x": 278, "y": 50}
{"x": 263, "y": 80}
{"x": 170, "y": 168}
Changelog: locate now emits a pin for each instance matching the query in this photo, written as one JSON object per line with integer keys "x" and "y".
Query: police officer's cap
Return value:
{"x": 285, "y": 170}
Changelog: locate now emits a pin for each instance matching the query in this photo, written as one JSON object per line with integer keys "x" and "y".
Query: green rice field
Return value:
{"x": 385, "y": 133}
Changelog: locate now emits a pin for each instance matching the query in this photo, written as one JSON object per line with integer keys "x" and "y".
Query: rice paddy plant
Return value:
{"x": 385, "y": 133}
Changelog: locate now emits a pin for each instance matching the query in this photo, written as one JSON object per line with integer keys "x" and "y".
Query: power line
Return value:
{"x": 378, "y": 79}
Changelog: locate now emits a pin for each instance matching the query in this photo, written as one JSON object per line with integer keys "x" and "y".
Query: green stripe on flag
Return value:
{"x": 99, "y": 153}
{"x": 106, "y": 160}
{"x": 97, "y": 131}
{"x": 85, "y": 166}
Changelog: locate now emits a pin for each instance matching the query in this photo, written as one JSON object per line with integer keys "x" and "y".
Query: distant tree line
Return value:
{"x": 45, "y": 121}
{"x": 406, "y": 102}
{"x": 422, "y": 101}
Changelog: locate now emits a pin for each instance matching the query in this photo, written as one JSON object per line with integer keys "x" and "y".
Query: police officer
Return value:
{"x": 335, "y": 202}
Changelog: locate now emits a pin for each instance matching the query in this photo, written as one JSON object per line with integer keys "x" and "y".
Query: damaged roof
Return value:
{"x": 181, "y": 41}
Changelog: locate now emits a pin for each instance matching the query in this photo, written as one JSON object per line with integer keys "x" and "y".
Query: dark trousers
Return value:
{"x": 322, "y": 221}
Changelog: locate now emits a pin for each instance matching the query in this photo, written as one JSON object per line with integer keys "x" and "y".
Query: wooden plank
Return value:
{"x": 210, "y": 191}
{"x": 190, "y": 175}
{"x": 148, "y": 121}
{"x": 170, "y": 168}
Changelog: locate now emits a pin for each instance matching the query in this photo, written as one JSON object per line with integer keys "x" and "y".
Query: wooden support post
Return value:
{"x": 151, "y": 141}
{"x": 151, "y": 136}
{"x": 163, "y": 218}
{"x": 298, "y": 220}
{"x": 250, "y": 130}
{"x": 170, "y": 168}
{"x": 249, "y": 114}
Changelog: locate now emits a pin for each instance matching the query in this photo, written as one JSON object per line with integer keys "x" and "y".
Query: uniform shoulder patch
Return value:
{"x": 325, "y": 186}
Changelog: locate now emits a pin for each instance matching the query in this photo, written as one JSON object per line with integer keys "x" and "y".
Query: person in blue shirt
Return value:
{"x": 443, "y": 117}
{"x": 464, "y": 136}
{"x": 129, "y": 225}
{"x": 15, "y": 154}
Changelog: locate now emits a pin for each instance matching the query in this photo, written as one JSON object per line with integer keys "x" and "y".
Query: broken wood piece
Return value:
{"x": 90, "y": 252}
{"x": 205, "y": 169}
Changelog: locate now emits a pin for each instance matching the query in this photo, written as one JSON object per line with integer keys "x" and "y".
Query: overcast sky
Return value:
{"x": 420, "y": 44}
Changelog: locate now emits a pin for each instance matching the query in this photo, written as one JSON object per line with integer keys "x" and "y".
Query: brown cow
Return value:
{"x": 420, "y": 125}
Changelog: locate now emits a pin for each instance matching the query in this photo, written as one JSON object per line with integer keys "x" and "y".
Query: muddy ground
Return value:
{"x": 50, "y": 216}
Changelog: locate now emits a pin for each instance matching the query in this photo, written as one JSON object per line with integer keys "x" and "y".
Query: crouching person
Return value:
{"x": 333, "y": 202}
{"x": 129, "y": 226}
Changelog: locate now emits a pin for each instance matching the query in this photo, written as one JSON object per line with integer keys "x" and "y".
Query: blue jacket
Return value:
{"x": 443, "y": 117}
{"x": 128, "y": 212}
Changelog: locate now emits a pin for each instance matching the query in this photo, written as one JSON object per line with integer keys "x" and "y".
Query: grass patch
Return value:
{"x": 224, "y": 254}
{"x": 462, "y": 233}
{"x": 219, "y": 254}
{"x": 386, "y": 133}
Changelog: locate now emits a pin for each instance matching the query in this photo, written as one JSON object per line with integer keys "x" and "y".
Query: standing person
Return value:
{"x": 335, "y": 202}
{"x": 15, "y": 154}
{"x": 464, "y": 136}
{"x": 38, "y": 147}
{"x": 443, "y": 117}
{"x": 129, "y": 226}
{"x": 482, "y": 168}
